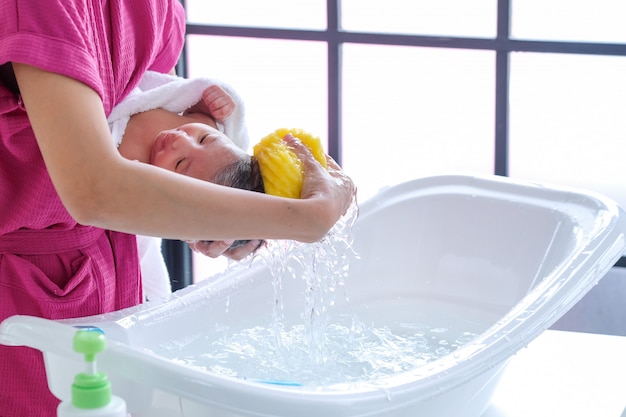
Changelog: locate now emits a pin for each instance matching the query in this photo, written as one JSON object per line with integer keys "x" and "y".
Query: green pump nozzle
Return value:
{"x": 91, "y": 389}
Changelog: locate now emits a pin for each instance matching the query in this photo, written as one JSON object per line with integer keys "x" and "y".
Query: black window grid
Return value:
{"x": 178, "y": 255}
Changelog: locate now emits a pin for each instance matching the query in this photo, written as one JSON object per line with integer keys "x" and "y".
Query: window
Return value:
{"x": 411, "y": 111}
{"x": 267, "y": 74}
{"x": 571, "y": 21}
{"x": 567, "y": 123}
{"x": 476, "y": 18}
{"x": 533, "y": 89}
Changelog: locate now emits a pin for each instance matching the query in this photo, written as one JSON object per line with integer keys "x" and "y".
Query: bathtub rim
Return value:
{"x": 436, "y": 377}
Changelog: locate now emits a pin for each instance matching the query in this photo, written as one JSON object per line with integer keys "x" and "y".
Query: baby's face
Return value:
{"x": 194, "y": 149}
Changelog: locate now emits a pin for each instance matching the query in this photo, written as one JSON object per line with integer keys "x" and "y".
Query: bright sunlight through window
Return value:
{"x": 409, "y": 112}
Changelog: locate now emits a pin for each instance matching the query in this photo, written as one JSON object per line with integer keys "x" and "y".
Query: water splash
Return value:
{"x": 365, "y": 354}
{"x": 323, "y": 266}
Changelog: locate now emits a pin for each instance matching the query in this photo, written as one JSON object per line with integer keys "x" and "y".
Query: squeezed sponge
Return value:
{"x": 280, "y": 167}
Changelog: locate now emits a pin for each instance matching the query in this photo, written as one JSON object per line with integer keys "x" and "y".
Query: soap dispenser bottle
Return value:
{"x": 91, "y": 390}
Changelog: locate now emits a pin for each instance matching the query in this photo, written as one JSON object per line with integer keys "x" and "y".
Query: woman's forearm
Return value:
{"x": 153, "y": 201}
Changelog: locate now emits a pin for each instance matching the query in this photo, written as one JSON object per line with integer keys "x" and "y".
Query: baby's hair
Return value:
{"x": 244, "y": 174}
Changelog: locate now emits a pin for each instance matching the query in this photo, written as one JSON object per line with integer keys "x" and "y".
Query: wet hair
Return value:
{"x": 244, "y": 174}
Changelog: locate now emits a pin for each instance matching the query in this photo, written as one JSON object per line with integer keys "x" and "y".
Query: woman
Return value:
{"x": 71, "y": 203}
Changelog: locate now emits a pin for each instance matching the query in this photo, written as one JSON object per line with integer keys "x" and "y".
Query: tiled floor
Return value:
{"x": 602, "y": 310}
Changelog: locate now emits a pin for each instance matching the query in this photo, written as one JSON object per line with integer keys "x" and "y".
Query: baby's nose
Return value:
{"x": 177, "y": 148}
{"x": 174, "y": 142}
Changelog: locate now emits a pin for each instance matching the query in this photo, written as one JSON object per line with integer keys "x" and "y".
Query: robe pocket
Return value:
{"x": 25, "y": 289}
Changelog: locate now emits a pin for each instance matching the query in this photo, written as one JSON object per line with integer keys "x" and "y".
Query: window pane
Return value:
{"x": 567, "y": 123}
{"x": 283, "y": 84}
{"x": 413, "y": 112}
{"x": 476, "y": 18}
{"x": 301, "y": 14}
{"x": 569, "y": 20}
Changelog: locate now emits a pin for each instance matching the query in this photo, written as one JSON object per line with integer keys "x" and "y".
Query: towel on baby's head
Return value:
{"x": 176, "y": 94}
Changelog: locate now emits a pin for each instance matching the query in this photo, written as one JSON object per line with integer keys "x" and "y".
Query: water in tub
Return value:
{"x": 327, "y": 348}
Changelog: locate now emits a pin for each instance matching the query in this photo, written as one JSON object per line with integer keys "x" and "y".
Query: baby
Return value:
{"x": 194, "y": 127}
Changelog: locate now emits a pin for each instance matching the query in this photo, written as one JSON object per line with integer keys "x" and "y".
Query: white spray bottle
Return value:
{"x": 91, "y": 390}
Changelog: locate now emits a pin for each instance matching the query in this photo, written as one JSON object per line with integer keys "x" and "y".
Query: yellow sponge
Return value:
{"x": 281, "y": 168}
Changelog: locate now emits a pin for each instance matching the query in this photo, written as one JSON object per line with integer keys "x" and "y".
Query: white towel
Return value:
{"x": 155, "y": 278}
{"x": 174, "y": 94}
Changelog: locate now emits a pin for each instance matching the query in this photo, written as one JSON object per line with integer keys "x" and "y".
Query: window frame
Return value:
{"x": 179, "y": 258}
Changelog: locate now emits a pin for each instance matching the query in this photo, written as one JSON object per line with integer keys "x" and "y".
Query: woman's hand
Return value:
{"x": 331, "y": 184}
{"x": 233, "y": 249}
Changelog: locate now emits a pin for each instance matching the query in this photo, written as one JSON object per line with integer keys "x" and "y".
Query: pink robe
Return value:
{"x": 50, "y": 266}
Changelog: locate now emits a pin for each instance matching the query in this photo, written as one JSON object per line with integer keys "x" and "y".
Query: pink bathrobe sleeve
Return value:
{"x": 50, "y": 266}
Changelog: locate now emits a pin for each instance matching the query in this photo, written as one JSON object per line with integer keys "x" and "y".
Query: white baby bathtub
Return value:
{"x": 508, "y": 256}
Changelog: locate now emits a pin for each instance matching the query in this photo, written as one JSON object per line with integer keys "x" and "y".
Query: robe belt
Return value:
{"x": 49, "y": 241}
